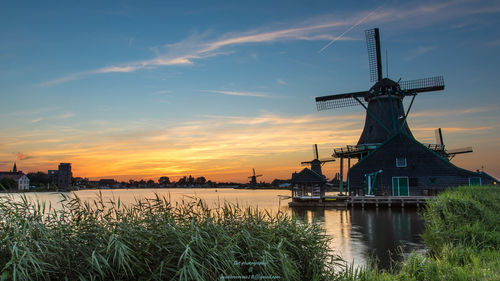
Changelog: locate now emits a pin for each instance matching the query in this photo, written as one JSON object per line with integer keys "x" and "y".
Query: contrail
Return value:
{"x": 349, "y": 29}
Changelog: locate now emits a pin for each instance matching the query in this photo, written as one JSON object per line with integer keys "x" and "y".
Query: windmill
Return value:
{"x": 390, "y": 159}
{"x": 449, "y": 153}
{"x": 383, "y": 102}
{"x": 253, "y": 179}
{"x": 316, "y": 163}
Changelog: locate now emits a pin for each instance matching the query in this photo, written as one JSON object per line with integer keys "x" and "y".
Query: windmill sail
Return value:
{"x": 340, "y": 100}
{"x": 439, "y": 136}
{"x": 423, "y": 85}
{"x": 374, "y": 57}
{"x": 461, "y": 150}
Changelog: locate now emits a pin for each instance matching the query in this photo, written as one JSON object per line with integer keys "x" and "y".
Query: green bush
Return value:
{"x": 156, "y": 240}
{"x": 463, "y": 238}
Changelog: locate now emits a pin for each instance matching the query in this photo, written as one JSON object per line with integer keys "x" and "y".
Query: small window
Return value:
{"x": 400, "y": 162}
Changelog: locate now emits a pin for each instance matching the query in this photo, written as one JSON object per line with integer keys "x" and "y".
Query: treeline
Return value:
{"x": 41, "y": 181}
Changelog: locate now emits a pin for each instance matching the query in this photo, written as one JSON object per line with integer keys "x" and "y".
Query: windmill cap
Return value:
{"x": 385, "y": 85}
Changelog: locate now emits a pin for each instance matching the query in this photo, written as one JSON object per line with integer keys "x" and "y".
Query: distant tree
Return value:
{"x": 277, "y": 182}
{"x": 164, "y": 180}
{"x": 182, "y": 181}
{"x": 150, "y": 183}
{"x": 191, "y": 180}
{"x": 38, "y": 179}
{"x": 200, "y": 180}
{"x": 8, "y": 183}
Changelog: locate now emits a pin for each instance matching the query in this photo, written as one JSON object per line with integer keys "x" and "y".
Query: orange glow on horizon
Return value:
{"x": 225, "y": 150}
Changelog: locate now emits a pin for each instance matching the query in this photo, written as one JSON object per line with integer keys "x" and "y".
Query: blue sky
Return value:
{"x": 132, "y": 89}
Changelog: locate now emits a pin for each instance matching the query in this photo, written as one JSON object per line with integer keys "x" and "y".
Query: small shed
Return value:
{"x": 307, "y": 184}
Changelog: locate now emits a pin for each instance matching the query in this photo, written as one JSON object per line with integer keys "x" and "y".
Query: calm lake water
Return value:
{"x": 358, "y": 235}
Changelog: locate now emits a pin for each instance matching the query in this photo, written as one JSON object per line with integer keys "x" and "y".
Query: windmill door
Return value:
{"x": 400, "y": 186}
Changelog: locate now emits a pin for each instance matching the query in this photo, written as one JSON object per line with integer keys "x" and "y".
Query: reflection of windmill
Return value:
{"x": 386, "y": 142}
{"x": 253, "y": 179}
{"x": 316, "y": 163}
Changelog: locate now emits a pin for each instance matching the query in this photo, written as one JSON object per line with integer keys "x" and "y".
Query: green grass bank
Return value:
{"x": 157, "y": 240}
{"x": 462, "y": 235}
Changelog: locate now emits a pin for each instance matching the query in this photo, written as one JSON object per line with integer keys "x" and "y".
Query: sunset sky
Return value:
{"x": 143, "y": 89}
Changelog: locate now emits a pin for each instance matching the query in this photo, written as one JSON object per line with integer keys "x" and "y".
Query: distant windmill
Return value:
{"x": 253, "y": 179}
{"x": 449, "y": 153}
{"x": 316, "y": 163}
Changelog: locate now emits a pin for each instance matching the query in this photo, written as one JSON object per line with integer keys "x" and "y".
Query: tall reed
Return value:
{"x": 155, "y": 239}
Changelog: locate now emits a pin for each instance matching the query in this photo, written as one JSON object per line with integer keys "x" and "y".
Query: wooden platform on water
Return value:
{"x": 361, "y": 201}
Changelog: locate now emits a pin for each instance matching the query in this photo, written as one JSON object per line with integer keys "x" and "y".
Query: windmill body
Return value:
{"x": 390, "y": 161}
{"x": 385, "y": 113}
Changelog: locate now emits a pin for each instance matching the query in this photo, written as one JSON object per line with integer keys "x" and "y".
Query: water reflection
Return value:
{"x": 357, "y": 234}
{"x": 381, "y": 235}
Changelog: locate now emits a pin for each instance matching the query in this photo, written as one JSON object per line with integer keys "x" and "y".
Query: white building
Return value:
{"x": 23, "y": 183}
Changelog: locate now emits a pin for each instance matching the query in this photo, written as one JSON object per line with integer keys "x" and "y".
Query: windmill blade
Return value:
{"x": 439, "y": 136}
{"x": 430, "y": 84}
{"x": 339, "y": 100}
{"x": 324, "y": 160}
{"x": 461, "y": 150}
{"x": 315, "y": 151}
{"x": 374, "y": 57}
{"x": 258, "y": 176}
{"x": 305, "y": 163}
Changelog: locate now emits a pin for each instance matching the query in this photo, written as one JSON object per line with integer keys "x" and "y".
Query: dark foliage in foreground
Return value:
{"x": 156, "y": 240}
{"x": 463, "y": 237}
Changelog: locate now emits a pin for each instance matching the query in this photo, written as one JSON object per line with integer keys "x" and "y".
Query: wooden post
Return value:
{"x": 341, "y": 182}
{"x": 348, "y": 169}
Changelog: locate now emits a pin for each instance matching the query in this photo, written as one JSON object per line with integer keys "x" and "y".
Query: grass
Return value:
{"x": 462, "y": 235}
{"x": 156, "y": 240}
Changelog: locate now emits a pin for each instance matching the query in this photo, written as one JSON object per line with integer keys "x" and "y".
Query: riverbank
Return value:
{"x": 462, "y": 236}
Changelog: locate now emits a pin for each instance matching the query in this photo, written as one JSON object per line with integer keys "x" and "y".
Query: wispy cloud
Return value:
{"x": 235, "y": 93}
{"x": 210, "y": 146}
{"x": 281, "y": 82}
{"x": 66, "y": 115}
{"x": 419, "y": 51}
{"x": 220, "y": 147}
{"x": 163, "y": 92}
{"x": 21, "y": 156}
{"x": 36, "y": 120}
{"x": 200, "y": 46}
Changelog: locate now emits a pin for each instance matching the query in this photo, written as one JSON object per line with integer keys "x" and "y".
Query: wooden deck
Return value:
{"x": 361, "y": 201}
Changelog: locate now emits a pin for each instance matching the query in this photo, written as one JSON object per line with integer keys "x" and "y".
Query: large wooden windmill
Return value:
{"x": 388, "y": 155}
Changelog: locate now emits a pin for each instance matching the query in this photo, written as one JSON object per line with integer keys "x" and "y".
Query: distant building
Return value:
{"x": 62, "y": 177}
{"x": 107, "y": 183}
{"x": 23, "y": 182}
